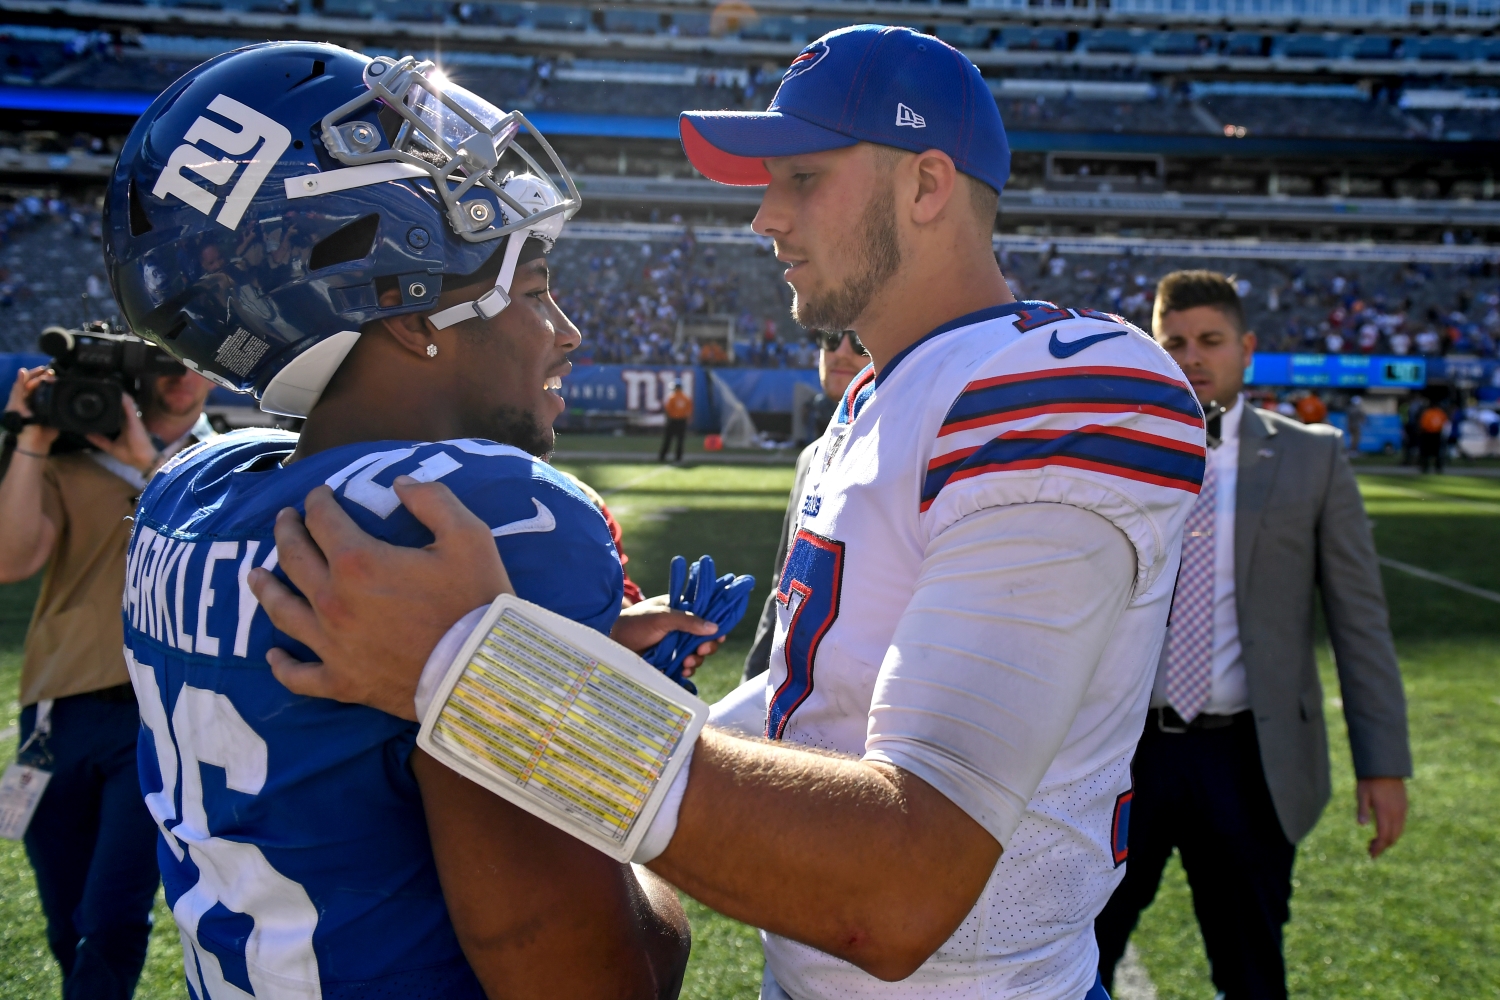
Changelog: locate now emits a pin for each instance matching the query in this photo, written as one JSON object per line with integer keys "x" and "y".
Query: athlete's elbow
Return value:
{"x": 899, "y": 952}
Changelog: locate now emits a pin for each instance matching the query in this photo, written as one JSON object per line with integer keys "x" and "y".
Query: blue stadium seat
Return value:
{"x": 631, "y": 22}
{"x": 965, "y": 36}
{"x": 1116, "y": 41}
{"x": 1439, "y": 49}
{"x": 561, "y": 18}
{"x": 1309, "y": 47}
{"x": 691, "y": 24}
{"x": 1373, "y": 47}
{"x": 1179, "y": 43}
{"x": 769, "y": 29}
{"x": 1240, "y": 43}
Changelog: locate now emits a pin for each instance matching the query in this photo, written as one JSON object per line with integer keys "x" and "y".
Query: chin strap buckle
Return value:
{"x": 487, "y": 306}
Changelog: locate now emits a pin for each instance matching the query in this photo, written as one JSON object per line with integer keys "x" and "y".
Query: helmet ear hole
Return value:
{"x": 352, "y": 242}
{"x": 140, "y": 223}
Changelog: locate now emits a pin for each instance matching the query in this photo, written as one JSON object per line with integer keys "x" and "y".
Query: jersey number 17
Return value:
{"x": 814, "y": 573}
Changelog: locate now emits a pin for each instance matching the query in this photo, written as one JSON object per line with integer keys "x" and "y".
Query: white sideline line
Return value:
{"x": 1447, "y": 581}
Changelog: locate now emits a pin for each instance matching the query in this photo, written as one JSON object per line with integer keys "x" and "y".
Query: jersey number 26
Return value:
{"x": 277, "y": 961}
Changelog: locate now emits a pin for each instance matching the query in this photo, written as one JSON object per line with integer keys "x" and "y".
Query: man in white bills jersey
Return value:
{"x": 973, "y": 604}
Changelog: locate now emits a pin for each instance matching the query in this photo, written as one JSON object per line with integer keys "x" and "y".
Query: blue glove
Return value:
{"x": 722, "y": 601}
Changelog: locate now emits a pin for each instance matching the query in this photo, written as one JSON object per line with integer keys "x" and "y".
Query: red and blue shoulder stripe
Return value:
{"x": 1117, "y": 421}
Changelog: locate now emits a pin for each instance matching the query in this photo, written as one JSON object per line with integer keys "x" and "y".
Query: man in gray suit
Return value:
{"x": 840, "y": 357}
{"x": 1232, "y": 769}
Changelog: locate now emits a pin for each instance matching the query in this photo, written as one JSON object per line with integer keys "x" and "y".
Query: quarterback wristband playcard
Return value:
{"x": 563, "y": 722}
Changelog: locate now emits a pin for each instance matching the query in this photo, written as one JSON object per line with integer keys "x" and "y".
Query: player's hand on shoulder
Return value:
{"x": 643, "y": 625}
{"x": 371, "y": 611}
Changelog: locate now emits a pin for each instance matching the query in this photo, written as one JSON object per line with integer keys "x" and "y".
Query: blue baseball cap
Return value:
{"x": 865, "y": 83}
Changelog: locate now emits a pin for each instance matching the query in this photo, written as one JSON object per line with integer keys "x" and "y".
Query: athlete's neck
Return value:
{"x": 379, "y": 395}
{"x": 934, "y": 285}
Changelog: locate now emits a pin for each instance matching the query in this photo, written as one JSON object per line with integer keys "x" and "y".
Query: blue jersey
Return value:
{"x": 293, "y": 849}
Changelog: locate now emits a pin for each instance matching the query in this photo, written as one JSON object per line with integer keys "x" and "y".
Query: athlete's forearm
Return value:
{"x": 860, "y": 860}
{"x": 27, "y": 538}
{"x": 539, "y": 914}
{"x": 878, "y": 861}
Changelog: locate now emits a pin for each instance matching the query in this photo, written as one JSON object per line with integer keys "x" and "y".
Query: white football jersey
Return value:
{"x": 1024, "y": 403}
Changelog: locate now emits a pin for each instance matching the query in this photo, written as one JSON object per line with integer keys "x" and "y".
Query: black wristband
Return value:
{"x": 13, "y": 421}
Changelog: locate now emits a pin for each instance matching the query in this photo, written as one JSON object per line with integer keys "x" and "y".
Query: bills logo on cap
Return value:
{"x": 907, "y": 117}
{"x": 253, "y": 128}
{"x": 806, "y": 60}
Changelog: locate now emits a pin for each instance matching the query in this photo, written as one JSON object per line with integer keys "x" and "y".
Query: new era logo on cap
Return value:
{"x": 864, "y": 72}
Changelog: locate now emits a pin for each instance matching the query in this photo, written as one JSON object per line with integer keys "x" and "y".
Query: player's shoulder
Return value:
{"x": 196, "y": 479}
{"x": 1075, "y": 406}
{"x": 1065, "y": 367}
{"x": 237, "y": 483}
{"x": 507, "y": 488}
{"x": 1050, "y": 339}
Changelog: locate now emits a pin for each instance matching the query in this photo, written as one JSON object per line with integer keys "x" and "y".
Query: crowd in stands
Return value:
{"x": 1313, "y": 307}
{"x": 51, "y": 271}
{"x": 627, "y": 297}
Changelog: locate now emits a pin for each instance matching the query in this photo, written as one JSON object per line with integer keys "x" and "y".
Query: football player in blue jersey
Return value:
{"x": 386, "y": 279}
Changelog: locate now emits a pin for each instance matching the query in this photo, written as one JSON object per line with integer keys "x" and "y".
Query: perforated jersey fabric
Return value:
{"x": 294, "y": 849}
{"x": 1022, "y": 406}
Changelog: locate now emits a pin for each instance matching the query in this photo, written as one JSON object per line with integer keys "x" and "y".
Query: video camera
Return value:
{"x": 95, "y": 366}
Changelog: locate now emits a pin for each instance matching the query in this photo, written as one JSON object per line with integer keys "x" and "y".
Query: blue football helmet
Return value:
{"x": 265, "y": 200}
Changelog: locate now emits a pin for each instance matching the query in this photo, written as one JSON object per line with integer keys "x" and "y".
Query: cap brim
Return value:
{"x": 729, "y": 146}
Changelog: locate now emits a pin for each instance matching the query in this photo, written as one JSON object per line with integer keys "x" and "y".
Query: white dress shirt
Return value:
{"x": 1229, "y": 693}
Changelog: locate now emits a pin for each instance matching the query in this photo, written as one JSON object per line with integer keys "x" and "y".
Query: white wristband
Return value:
{"x": 563, "y": 722}
{"x": 442, "y": 656}
{"x": 664, "y": 823}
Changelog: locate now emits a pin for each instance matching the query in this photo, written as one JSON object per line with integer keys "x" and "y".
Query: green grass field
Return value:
{"x": 1423, "y": 922}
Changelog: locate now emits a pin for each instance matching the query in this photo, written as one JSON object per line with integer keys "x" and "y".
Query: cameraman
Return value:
{"x": 91, "y": 841}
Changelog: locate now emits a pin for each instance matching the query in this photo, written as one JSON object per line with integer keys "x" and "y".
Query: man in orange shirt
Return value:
{"x": 679, "y": 410}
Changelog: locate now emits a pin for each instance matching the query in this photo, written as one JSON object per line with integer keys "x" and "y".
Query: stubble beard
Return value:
{"x": 877, "y": 251}
{"x": 520, "y": 429}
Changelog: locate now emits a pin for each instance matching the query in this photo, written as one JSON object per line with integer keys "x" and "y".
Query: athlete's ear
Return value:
{"x": 936, "y": 178}
{"x": 408, "y": 329}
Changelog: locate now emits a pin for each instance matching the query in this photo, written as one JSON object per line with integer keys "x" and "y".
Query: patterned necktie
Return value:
{"x": 1190, "y": 641}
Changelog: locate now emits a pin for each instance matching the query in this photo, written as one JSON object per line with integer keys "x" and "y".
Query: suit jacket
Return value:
{"x": 1300, "y": 523}
{"x": 759, "y": 657}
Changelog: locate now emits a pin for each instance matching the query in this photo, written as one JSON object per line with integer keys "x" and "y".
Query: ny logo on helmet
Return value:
{"x": 254, "y": 127}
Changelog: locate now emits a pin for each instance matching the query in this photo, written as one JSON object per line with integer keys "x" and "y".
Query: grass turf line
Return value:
{"x": 1430, "y": 908}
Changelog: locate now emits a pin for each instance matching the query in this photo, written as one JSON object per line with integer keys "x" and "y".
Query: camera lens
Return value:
{"x": 88, "y": 406}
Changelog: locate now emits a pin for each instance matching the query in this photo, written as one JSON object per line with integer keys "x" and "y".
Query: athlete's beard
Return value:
{"x": 520, "y": 429}
{"x": 877, "y": 252}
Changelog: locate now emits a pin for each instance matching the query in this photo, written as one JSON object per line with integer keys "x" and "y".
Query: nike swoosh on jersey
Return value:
{"x": 543, "y": 521}
{"x": 1060, "y": 349}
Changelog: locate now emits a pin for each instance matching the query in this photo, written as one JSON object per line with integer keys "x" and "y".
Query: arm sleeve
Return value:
{"x": 1359, "y": 629}
{"x": 990, "y": 661}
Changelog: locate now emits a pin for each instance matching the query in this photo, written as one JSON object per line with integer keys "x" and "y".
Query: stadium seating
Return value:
{"x": 627, "y": 295}
{"x": 1312, "y": 307}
